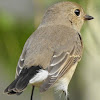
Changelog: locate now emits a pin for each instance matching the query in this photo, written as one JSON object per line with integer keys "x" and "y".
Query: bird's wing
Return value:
{"x": 61, "y": 63}
{"x": 21, "y": 59}
{"x": 20, "y": 65}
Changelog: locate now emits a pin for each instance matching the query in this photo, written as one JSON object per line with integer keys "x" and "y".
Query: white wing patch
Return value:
{"x": 39, "y": 77}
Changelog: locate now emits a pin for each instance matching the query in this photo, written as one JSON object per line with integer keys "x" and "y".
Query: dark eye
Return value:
{"x": 77, "y": 12}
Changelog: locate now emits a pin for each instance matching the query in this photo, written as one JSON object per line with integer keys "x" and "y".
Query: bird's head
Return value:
{"x": 66, "y": 13}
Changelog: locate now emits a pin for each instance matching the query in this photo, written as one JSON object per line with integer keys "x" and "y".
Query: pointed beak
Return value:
{"x": 87, "y": 17}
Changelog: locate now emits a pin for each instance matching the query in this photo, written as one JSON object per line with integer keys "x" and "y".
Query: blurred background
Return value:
{"x": 19, "y": 19}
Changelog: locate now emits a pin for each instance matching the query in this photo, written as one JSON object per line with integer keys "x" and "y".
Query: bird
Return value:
{"x": 51, "y": 54}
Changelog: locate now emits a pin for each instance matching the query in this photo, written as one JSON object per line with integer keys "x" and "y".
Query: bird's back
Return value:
{"x": 44, "y": 42}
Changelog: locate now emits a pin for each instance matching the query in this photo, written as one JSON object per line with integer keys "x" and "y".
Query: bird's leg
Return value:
{"x": 68, "y": 98}
{"x": 32, "y": 92}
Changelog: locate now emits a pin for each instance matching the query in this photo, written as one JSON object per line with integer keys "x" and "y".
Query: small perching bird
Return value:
{"x": 52, "y": 52}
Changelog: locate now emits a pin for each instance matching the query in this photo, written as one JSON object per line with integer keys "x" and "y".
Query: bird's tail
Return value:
{"x": 21, "y": 82}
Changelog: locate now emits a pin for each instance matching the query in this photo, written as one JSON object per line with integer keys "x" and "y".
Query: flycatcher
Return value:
{"x": 51, "y": 54}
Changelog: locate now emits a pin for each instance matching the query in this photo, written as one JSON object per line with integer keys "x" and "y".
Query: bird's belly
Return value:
{"x": 62, "y": 83}
{"x": 70, "y": 73}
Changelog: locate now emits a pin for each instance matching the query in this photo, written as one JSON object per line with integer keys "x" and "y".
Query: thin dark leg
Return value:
{"x": 68, "y": 98}
{"x": 32, "y": 92}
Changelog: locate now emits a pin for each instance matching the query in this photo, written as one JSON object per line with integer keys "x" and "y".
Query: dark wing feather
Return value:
{"x": 21, "y": 81}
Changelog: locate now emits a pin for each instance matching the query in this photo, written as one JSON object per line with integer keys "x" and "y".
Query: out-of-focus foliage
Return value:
{"x": 16, "y": 25}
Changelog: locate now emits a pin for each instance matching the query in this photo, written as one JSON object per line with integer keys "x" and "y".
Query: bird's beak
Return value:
{"x": 87, "y": 17}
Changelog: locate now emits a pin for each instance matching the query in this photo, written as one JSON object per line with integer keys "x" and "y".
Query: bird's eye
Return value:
{"x": 77, "y": 12}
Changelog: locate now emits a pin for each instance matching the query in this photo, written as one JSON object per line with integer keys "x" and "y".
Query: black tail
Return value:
{"x": 21, "y": 82}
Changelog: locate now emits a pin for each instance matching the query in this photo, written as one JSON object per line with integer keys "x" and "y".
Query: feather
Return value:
{"x": 21, "y": 82}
